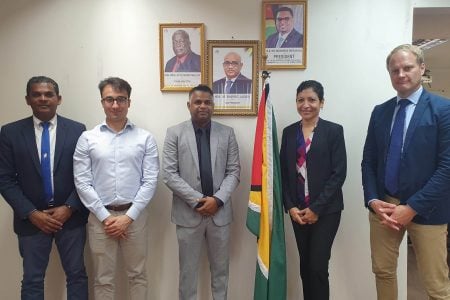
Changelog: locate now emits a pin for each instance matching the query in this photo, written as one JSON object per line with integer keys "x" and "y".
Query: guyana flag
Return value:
{"x": 265, "y": 212}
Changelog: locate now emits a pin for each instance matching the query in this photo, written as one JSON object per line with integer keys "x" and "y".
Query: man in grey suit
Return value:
{"x": 201, "y": 166}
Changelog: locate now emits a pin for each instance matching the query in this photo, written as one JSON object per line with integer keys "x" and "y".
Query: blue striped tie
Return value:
{"x": 45, "y": 162}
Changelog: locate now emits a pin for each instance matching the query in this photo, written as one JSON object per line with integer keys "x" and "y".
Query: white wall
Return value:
{"x": 78, "y": 43}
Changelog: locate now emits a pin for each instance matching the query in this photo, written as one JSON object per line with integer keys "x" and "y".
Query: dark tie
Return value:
{"x": 45, "y": 162}
{"x": 228, "y": 86}
{"x": 205, "y": 164}
{"x": 395, "y": 149}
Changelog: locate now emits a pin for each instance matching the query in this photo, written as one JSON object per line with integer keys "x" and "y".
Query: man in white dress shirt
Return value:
{"x": 116, "y": 168}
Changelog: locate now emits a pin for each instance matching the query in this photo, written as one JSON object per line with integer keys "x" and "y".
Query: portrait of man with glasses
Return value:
{"x": 234, "y": 81}
{"x": 286, "y": 36}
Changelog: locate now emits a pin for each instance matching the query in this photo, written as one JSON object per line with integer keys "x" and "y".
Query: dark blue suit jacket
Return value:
{"x": 327, "y": 167}
{"x": 191, "y": 64}
{"x": 425, "y": 165}
{"x": 20, "y": 173}
{"x": 293, "y": 40}
{"x": 242, "y": 85}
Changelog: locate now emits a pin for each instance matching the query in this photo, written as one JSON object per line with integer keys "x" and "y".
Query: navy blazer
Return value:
{"x": 190, "y": 64}
{"x": 425, "y": 163}
{"x": 242, "y": 85}
{"x": 20, "y": 172}
{"x": 326, "y": 162}
{"x": 293, "y": 40}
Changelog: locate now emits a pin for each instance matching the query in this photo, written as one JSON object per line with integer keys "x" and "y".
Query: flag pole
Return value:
{"x": 265, "y": 75}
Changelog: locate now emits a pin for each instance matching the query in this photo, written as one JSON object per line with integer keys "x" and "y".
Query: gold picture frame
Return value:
{"x": 181, "y": 53}
{"x": 232, "y": 73}
{"x": 284, "y": 34}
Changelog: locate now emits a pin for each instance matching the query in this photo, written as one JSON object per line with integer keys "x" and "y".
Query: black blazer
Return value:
{"x": 326, "y": 162}
{"x": 20, "y": 173}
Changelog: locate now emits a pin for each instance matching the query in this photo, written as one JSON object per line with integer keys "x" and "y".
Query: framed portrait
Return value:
{"x": 181, "y": 56}
{"x": 284, "y": 34}
{"x": 232, "y": 73}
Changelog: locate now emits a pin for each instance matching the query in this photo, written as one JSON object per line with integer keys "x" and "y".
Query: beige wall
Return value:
{"x": 78, "y": 43}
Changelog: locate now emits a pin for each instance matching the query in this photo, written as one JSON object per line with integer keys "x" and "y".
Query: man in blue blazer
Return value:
{"x": 44, "y": 211}
{"x": 406, "y": 177}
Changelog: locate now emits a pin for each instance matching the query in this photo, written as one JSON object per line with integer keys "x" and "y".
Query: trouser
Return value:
{"x": 190, "y": 240}
{"x": 430, "y": 246}
{"x": 314, "y": 242}
{"x": 35, "y": 250}
{"x": 105, "y": 249}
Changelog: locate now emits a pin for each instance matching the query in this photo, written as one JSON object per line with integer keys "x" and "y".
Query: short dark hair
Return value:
{"x": 283, "y": 8}
{"x": 118, "y": 84}
{"x": 314, "y": 85}
{"x": 201, "y": 88}
{"x": 42, "y": 79}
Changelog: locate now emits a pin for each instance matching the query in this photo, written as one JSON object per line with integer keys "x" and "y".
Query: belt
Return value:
{"x": 120, "y": 207}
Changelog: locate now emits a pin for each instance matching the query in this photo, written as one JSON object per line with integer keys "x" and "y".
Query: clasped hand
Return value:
{"x": 304, "y": 216}
{"x": 207, "y": 206}
{"x": 50, "y": 220}
{"x": 391, "y": 215}
{"x": 117, "y": 226}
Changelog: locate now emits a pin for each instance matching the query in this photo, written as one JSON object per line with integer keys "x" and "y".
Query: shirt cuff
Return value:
{"x": 133, "y": 212}
{"x": 102, "y": 214}
{"x": 218, "y": 201}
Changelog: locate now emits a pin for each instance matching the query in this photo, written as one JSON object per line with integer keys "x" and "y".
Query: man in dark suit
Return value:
{"x": 184, "y": 60}
{"x": 233, "y": 82}
{"x": 406, "y": 177}
{"x": 286, "y": 35}
{"x": 36, "y": 179}
{"x": 201, "y": 167}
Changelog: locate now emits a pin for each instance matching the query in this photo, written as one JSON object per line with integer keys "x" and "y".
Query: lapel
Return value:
{"x": 192, "y": 143}
{"x": 386, "y": 120}
{"x": 61, "y": 134}
{"x": 292, "y": 145}
{"x": 317, "y": 136}
{"x": 213, "y": 144}
{"x": 30, "y": 141}
{"x": 415, "y": 119}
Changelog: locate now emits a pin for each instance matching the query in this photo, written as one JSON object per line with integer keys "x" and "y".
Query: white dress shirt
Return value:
{"x": 114, "y": 168}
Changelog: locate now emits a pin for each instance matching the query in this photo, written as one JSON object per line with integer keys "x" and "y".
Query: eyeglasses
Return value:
{"x": 119, "y": 100}
{"x": 233, "y": 64}
{"x": 286, "y": 19}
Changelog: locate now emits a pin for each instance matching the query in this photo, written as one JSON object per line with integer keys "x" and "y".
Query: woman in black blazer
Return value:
{"x": 313, "y": 168}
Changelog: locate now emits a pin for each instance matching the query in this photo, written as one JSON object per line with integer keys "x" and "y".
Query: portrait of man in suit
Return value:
{"x": 234, "y": 81}
{"x": 201, "y": 167}
{"x": 286, "y": 36}
{"x": 36, "y": 179}
{"x": 184, "y": 60}
{"x": 406, "y": 177}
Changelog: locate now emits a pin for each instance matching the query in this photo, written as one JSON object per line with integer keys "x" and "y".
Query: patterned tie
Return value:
{"x": 228, "y": 86}
{"x": 279, "y": 42}
{"x": 395, "y": 149}
{"x": 45, "y": 162}
{"x": 205, "y": 164}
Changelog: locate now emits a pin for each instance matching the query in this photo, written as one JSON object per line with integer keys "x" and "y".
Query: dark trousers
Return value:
{"x": 314, "y": 246}
{"x": 35, "y": 251}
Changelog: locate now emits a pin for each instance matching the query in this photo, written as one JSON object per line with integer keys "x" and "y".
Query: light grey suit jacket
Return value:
{"x": 181, "y": 172}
